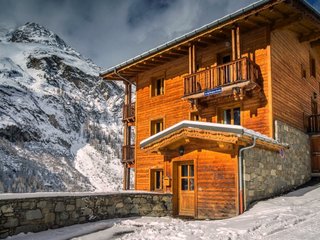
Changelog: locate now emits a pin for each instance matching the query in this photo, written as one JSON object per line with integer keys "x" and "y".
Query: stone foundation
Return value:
{"x": 268, "y": 173}
{"x": 39, "y": 212}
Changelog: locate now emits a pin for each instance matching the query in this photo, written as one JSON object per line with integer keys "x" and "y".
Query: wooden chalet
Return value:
{"x": 228, "y": 113}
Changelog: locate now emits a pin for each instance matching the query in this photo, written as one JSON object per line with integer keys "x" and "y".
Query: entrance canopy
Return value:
{"x": 185, "y": 131}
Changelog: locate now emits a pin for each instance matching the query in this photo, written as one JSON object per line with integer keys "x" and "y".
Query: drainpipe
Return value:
{"x": 123, "y": 78}
{"x": 241, "y": 191}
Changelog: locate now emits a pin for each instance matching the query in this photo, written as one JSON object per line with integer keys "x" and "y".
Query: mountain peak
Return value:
{"x": 35, "y": 33}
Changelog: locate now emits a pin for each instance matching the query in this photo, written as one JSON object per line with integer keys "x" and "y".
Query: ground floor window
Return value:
{"x": 156, "y": 183}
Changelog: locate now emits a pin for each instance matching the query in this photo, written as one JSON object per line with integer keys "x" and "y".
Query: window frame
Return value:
{"x": 153, "y": 131}
{"x": 230, "y": 107}
{"x": 154, "y": 86}
{"x": 153, "y": 179}
{"x": 193, "y": 114}
{"x": 313, "y": 66}
{"x": 188, "y": 177}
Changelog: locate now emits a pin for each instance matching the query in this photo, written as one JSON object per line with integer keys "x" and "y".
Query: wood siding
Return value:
{"x": 291, "y": 92}
{"x": 216, "y": 180}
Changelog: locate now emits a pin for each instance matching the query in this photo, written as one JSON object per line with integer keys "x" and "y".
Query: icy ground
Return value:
{"x": 293, "y": 216}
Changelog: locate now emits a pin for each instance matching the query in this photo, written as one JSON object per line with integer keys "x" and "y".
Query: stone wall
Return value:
{"x": 267, "y": 173}
{"x": 38, "y": 212}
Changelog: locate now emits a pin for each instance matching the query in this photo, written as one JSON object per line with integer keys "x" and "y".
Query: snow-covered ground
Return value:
{"x": 293, "y": 216}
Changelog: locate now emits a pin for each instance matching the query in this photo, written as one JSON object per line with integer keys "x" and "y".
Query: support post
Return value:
{"x": 233, "y": 44}
{"x": 127, "y": 139}
{"x": 238, "y": 43}
{"x": 193, "y": 58}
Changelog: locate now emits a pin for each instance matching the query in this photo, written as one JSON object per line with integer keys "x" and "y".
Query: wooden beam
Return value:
{"x": 238, "y": 43}
{"x": 138, "y": 67}
{"x": 175, "y": 54}
{"x": 310, "y": 37}
{"x": 233, "y": 42}
{"x": 130, "y": 72}
{"x": 315, "y": 43}
{"x": 148, "y": 63}
{"x": 287, "y": 21}
{"x": 264, "y": 18}
{"x": 158, "y": 60}
{"x": 250, "y": 22}
{"x": 190, "y": 59}
{"x": 181, "y": 52}
{"x": 193, "y": 58}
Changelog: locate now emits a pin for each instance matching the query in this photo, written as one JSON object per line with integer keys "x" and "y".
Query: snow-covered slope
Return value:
{"x": 60, "y": 124}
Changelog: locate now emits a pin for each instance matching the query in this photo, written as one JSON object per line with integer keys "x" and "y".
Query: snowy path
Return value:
{"x": 293, "y": 216}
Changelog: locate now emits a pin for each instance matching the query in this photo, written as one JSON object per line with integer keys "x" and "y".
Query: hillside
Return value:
{"x": 60, "y": 124}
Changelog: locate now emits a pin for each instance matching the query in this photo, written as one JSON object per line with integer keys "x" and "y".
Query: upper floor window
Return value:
{"x": 303, "y": 72}
{"x": 313, "y": 72}
{"x": 156, "y": 126}
{"x": 194, "y": 116}
{"x": 157, "y": 87}
{"x": 231, "y": 116}
{"x": 314, "y": 104}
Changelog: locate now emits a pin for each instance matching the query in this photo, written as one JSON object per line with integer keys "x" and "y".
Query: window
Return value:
{"x": 157, "y": 87}
{"x": 156, "y": 126}
{"x": 187, "y": 177}
{"x": 156, "y": 180}
{"x": 303, "y": 72}
{"x": 312, "y": 67}
{"x": 314, "y": 104}
{"x": 231, "y": 116}
{"x": 194, "y": 116}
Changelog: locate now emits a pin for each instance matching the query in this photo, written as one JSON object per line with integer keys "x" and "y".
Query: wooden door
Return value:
{"x": 186, "y": 185}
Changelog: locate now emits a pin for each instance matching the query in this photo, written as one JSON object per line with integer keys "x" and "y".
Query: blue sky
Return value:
{"x": 112, "y": 31}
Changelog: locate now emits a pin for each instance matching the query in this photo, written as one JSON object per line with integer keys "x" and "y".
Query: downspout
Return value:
{"x": 241, "y": 192}
{"x": 123, "y": 78}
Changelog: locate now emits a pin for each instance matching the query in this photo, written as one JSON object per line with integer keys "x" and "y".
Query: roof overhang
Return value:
{"x": 184, "y": 131}
{"x": 271, "y": 13}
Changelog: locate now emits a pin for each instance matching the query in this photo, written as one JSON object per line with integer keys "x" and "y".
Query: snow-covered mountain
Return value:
{"x": 60, "y": 124}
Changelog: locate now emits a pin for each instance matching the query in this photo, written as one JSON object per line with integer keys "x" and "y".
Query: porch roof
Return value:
{"x": 209, "y": 131}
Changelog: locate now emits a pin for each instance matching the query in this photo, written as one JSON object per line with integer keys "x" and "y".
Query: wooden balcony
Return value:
{"x": 314, "y": 124}
{"x": 211, "y": 80}
{"x": 128, "y": 154}
{"x": 129, "y": 113}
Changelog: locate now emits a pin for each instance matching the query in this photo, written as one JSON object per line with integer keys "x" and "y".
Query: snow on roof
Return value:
{"x": 217, "y": 127}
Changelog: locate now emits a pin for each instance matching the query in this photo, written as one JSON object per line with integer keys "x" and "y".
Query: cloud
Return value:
{"x": 110, "y": 32}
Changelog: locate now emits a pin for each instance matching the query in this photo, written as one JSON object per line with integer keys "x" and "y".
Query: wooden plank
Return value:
{"x": 233, "y": 44}
{"x": 238, "y": 42}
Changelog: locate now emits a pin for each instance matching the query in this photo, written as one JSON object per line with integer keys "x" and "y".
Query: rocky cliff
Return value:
{"x": 60, "y": 124}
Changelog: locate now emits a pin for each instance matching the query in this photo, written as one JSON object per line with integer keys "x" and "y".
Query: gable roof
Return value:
{"x": 228, "y": 21}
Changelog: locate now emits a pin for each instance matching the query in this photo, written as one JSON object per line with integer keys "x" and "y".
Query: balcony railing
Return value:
{"x": 226, "y": 74}
{"x": 128, "y": 111}
{"x": 128, "y": 154}
{"x": 314, "y": 124}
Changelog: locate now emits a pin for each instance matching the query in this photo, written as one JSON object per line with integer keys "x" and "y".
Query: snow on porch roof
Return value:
{"x": 217, "y": 127}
